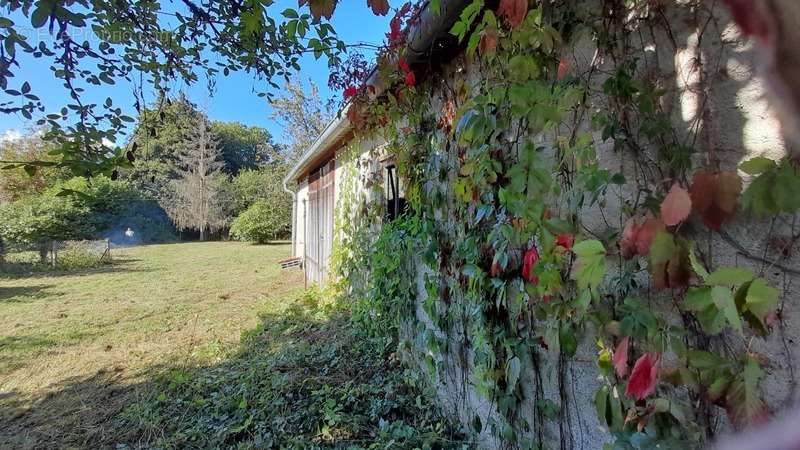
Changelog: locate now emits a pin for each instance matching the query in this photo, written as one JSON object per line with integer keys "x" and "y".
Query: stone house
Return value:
{"x": 620, "y": 101}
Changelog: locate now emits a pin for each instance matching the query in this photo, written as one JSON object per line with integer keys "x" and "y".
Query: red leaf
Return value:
{"x": 751, "y": 18}
{"x": 528, "y": 263}
{"x": 565, "y": 240}
{"x": 563, "y": 69}
{"x": 669, "y": 262}
{"x": 402, "y": 64}
{"x": 715, "y": 195}
{"x": 620, "y": 358}
{"x": 726, "y": 194}
{"x": 513, "y": 11}
{"x": 350, "y": 92}
{"x": 648, "y": 231}
{"x": 488, "y": 43}
{"x": 410, "y": 79}
{"x": 379, "y": 7}
{"x": 676, "y": 206}
{"x": 644, "y": 377}
{"x": 638, "y": 234}
{"x": 702, "y": 190}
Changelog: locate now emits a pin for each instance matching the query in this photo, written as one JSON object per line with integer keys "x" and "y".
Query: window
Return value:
{"x": 395, "y": 203}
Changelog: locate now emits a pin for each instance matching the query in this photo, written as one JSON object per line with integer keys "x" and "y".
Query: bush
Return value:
{"x": 116, "y": 205}
{"x": 40, "y": 219}
{"x": 260, "y": 223}
{"x": 80, "y": 255}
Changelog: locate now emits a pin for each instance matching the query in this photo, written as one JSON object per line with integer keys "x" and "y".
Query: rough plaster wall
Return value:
{"x": 725, "y": 98}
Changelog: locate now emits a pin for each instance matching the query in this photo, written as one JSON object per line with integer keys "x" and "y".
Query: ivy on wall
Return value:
{"x": 500, "y": 159}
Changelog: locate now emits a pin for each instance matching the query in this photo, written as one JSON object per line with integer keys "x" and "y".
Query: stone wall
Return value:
{"x": 716, "y": 101}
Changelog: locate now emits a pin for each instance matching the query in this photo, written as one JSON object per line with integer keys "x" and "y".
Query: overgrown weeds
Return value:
{"x": 302, "y": 379}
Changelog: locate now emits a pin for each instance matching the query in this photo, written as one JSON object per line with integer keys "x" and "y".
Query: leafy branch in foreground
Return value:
{"x": 92, "y": 44}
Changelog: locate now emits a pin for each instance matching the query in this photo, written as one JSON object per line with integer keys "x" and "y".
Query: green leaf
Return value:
{"x": 703, "y": 360}
{"x": 698, "y": 299}
{"x": 522, "y": 68}
{"x": 697, "y": 266}
{"x": 761, "y": 298}
{"x": 290, "y": 13}
{"x": 757, "y": 165}
{"x": 589, "y": 248}
{"x": 758, "y": 196}
{"x": 729, "y": 276}
{"x": 513, "y": 367}
{"x": 786, "y": 188}
{"x": 591, "y": 263}
{"x": 743, "y": 395}
{"x": 568, "y": 341}
{"x": 723, "y": 300}
{"x": 41, "y": 14}
{"x": 601, "y": 405}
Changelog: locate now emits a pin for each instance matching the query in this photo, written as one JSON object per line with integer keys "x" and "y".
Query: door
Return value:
{"x": 321, "y": 198}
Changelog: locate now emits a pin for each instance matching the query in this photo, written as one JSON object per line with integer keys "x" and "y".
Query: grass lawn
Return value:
{"x": 149, "y": 353}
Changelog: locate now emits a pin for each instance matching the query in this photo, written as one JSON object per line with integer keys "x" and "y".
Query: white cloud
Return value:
{"x": 11, "y": 135}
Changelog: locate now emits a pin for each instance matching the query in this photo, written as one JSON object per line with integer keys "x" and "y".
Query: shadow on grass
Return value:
{"x": 32, "y": 271}
{"x": 301, "y": 379}
{"x": 37, "y": 291}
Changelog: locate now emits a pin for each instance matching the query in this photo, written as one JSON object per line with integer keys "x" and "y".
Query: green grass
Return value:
{"x": 156, "y": 306}
{"x": 148, "y": 353}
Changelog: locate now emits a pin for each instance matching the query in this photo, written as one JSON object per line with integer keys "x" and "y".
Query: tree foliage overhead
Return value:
{"x": 147, "y": 44}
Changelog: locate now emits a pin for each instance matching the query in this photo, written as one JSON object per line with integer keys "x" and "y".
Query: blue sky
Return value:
{"x": 235, "y": 97}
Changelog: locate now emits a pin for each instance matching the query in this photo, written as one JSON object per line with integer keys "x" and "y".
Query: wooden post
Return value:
{"x": 53, "y": 256}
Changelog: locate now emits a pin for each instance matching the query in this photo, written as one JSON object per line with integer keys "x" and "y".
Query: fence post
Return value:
{"x": 53, "y": 254}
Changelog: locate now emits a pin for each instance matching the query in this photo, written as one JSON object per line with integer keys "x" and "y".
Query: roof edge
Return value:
{"x": 421, "y": 38}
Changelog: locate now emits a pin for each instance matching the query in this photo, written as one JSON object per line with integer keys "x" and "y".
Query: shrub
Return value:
{"x": 40, "y": 219}
{"x": 116, "y": 205}
{"x": 260, "y": 223}
{"x": 80, "y": 255}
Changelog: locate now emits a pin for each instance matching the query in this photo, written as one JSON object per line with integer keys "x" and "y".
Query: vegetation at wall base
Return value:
{"x": 301, "y": 380}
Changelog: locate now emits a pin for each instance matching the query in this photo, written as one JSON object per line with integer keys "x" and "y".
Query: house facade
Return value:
{"x": 582, "y": 197}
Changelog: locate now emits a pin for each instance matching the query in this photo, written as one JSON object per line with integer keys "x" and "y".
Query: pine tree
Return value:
{"x": 195, "y": 201}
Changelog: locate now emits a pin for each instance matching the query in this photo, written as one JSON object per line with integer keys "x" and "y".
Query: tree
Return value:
{"x": 262, "y": 184}
{"x": 244, "y": 147}
{"x": 159, "y": 135}
{"x": 303, "y": 115}
{"x": 162, "y": 129}
{"x": 147, "y": 42}
{"x": 194, "y": 201}
{"x": 21, "y": 181}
